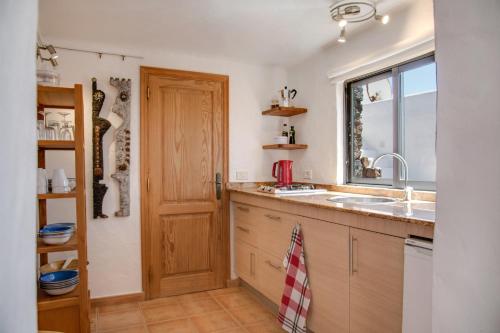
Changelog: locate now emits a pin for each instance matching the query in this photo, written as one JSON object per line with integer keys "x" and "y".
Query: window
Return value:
{"x": 393, "y": 111}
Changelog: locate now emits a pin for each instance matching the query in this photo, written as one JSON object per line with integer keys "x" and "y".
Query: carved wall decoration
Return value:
{"x": 99, "y": 128}
{"x": 121, "y": 107}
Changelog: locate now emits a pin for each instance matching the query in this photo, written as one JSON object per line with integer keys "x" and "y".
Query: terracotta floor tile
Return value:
{"x": 114, "y": 320}
{"x": 173, "y": 326}
{"x": 265, "y": 327}
{"x": 117, "y": 307}
{"x": 234, "y": 330}
{"x": 204, "y": 305}
{"x": 251, "y": 314}
{"x": 158, "y": 301}
{"x": 236, "y": 299}
{"x": 162, "y": 312}
{"x": 135, "y": 329}
{"x": 214, "y": 321}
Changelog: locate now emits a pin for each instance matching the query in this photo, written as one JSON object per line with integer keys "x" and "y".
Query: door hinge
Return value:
{"x": 147, "y": 184}
{"x": 148, "y": 92}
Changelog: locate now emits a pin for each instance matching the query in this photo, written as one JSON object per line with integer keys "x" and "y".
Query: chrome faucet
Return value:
{"x": 408, "y": 189}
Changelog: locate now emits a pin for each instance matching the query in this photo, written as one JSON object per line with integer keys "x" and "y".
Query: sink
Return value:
{"x": 361, "y": 200}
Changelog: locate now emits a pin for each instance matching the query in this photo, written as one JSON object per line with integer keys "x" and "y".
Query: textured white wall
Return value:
{"x": 466, "y": 290}
{"x": 320, "y": 126}
{"x": 114, "y": 244}
{"x": 18, "y": 168}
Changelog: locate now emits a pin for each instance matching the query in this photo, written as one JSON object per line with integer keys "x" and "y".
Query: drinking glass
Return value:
{"x": 66, "y": 132}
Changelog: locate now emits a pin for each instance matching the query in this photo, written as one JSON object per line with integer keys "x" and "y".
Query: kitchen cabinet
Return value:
{"x": 376, "y": 282}
{"x": 355, "y": 275}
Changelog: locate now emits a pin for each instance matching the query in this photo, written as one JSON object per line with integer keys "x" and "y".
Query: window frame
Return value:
{"x": 398, "y": 126}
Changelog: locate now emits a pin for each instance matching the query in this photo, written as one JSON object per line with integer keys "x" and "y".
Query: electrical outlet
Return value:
{"x": 242, "y": 175}
{"x": 308, "y": 174}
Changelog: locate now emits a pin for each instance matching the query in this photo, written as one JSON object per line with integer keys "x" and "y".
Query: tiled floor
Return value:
{"x": 231, "y": 310}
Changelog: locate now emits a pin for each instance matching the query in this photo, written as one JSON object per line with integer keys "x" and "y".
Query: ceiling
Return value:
{"x": 271, "y": 32}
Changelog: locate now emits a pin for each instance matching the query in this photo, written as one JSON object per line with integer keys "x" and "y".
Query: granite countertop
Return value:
{"x": 417, "y": 212}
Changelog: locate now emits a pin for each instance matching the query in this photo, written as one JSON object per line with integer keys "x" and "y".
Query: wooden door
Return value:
{"x": 326, "y": 247}
{"x": 184, "y": 133}
{"x": 376, "y": 284}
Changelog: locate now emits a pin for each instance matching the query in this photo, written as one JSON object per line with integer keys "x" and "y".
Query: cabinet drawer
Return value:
{"x": 245, "y": 214}
{"x": 245, "y": 232}
{"x": 271, "y": 276}
{"x": 275, "y": 231}
{"x": 246, "y": 260}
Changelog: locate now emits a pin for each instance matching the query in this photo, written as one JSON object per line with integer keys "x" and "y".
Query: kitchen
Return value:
{"x": 343, "y": 133}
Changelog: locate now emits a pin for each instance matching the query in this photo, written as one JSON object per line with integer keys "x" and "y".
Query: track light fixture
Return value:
{"x": 50, "y": 49}
{"x": 354, "y": 11}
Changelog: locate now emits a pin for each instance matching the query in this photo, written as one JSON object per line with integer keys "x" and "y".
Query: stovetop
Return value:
{"x": 294, "y": 189}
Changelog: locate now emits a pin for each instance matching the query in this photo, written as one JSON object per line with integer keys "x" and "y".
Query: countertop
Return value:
{"x": 417, "y": 212}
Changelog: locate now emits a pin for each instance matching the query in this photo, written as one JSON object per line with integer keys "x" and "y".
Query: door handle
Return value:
{"x": 218, "y": 185}
{"x": 354, "y": 256}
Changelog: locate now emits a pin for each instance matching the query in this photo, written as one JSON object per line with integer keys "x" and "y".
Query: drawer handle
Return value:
{"x": 354, "y": 256}
{"x": 273, "y": 217}
{"x": 243, "y": 229}
{"x": 276, "y": 267}
{"x": 243, "y": 209}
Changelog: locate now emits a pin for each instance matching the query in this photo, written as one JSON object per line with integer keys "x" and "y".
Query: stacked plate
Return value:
{"x": 59, "y": 283}
{"x": 57, "y": 233}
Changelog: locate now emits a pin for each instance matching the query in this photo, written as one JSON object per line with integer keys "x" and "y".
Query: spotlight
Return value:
{"x": 52, "y": 51}
{"x": 342, "y": 23}
{"x": 342, "y": 38}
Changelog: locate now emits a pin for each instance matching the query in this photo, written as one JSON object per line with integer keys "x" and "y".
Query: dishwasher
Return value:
{"x": 417, "y": 290}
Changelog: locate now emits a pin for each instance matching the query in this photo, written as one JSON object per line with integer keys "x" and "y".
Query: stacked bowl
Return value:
{"x": 57, "y": 233}
{"x": 59, "y": 283}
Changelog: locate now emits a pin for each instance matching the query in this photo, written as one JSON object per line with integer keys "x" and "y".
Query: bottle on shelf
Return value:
{"x": 291, "y": 139}
{"x": 284, "y": 132}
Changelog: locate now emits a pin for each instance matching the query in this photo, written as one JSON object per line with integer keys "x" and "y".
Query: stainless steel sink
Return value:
{"x": 361, "y": 200}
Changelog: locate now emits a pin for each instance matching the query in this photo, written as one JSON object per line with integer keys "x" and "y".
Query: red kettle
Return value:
{"x": 284, "y": 176}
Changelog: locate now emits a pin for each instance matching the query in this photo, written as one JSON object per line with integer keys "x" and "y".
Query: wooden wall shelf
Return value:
{"x": 56, "y": 195}
{"x": 56, "y": 145}
{"x": 71, "y": 245}
{"x": 283, "y": 111}
{"x": 56, "y": 97}
{"x": 285, "y": 146}
{"x": 65, "y": 313}
{"x": 48, "y": 302}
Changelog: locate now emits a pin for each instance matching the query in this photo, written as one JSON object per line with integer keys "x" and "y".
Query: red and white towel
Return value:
{"x": 296, "y": 295}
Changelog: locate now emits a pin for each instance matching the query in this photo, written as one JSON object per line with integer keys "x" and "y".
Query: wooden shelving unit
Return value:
{"x": 284, "y": 111}
{"x": 285, "y": 146}
{"x": 67, "y": 313}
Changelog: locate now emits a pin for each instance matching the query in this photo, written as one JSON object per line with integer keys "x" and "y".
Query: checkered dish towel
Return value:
{"x": 296, "y": 295}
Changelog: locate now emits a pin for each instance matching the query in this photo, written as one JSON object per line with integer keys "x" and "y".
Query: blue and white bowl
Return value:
{"x": 60, "y": 282}
{"x": 56, "y": 234}
{"x": 62, "y": 224}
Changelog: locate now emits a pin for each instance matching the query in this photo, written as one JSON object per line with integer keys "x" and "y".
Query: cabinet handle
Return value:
{"x": 273, "y": 217}
{"x": 243, "y": 209}
{"x": 354, "y": 256}
{"x": 252, "y": 264}
{"x": 243, "y": 229}
{"x": 276, "y": 267}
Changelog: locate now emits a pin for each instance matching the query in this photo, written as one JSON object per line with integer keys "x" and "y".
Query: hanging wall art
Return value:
{"x": 99, "y": 128}
{"x": 121, "y": 107}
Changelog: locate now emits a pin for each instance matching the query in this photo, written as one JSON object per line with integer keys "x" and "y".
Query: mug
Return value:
{"x": 60, "y": 183}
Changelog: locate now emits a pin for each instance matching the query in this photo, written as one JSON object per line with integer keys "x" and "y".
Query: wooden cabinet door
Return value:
{"x": 246, "y": 262}
{"x": 326, "y": 248}
{"x": 271, "y": 275}
{"x": 376, "y": 282}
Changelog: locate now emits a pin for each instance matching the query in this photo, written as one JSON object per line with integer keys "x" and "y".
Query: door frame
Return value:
{"x": 145, "y": 71}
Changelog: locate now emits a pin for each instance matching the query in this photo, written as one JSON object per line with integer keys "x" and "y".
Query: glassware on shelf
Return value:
{"x": 40, "y": 130}
{"x": 52, "y": 130}
{"x": 66, "y": 131}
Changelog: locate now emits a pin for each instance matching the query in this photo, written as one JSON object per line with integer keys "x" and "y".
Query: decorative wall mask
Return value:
{"x": 121, "y": 107}
{"x": 99, "y": 128}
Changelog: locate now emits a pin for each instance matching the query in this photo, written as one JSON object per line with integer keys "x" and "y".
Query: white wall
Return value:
{"x": 18, "y": 168}
{"x": 319, "y": 127}
{"x": 114, "y": 243}
{"x": 466, "y": 294}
